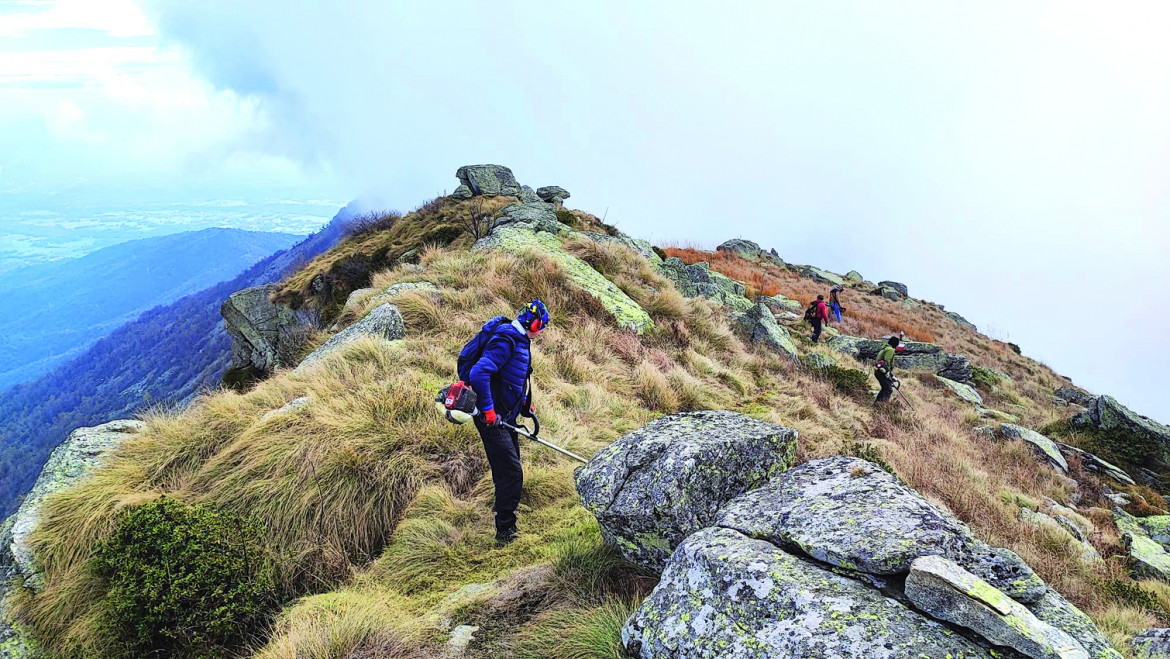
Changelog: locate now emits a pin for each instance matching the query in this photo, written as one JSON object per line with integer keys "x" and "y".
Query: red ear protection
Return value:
{"x": 536, "y": 325}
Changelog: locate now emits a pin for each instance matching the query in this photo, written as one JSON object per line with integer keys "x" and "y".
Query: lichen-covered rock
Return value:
{"x": 891, "y": 294}
{"x": 517, "y": 237}
{"x": 964, "y": 391}
{"x": 1075, "y": 396}
{"x": 781, "y": 304}
{"x": 854, "y": 276}
{"x": 641, "y": 247}
{"x": 657, "y": 485}
{"x": 1055, "y": 610}
{"x": 913, "y": 355}
{"x": 553, "y": 194}
{"x": 816, "y": 361}
{"x": 961, "y": 321}
{"x": 1152, "y": 643}
{"x": 1133, "y": 433}
{"x": 1065, "y": 527}
{"x": 462, "y": 192}
{"x": 956, "y": 368}
{"x": 761, "y": 327}
{"x": 823, "y": 276}
{"x": 697, "y": 280}
{"x": 489, "y": 180}
{"x": 1147, "y": 557}
{"x": 742, "y": 248}
{"x": 73, "y": 460}
{"x": 258, "y": 328}
{"x": 728, "y": 596}
{"x": 1041, "y": 444}
{"x": 528, "y": 195}
{"x": 539, "y": 214}
{"x": 383, "y": 321}
{"x": 1096, "y": 464}
{"x": 948, "y": 592}
{"x": 848, "y": 512}
{"x": 901, "y": 288}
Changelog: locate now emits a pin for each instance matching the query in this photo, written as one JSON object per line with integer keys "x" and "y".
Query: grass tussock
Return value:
{"x": 380, "y": 511}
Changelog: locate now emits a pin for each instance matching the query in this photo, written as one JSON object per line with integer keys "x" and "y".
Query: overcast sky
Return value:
{"x": 1007, "y": 159}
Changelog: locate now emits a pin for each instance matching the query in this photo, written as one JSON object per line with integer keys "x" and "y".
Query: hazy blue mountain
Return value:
{"x": 165, "y": 356}
{"x": 56, "y": 310}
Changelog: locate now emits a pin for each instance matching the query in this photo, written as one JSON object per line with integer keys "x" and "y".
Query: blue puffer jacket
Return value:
{"x": 498, "y": 377}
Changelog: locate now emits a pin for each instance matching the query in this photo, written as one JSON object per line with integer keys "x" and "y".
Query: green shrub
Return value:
{"x": 183, "y": 580}
{"x": 848, "y": 381}
{"x": 984, "y": 378}
{"x": 566, "y": 217}
{"x": 1132, "y": 594}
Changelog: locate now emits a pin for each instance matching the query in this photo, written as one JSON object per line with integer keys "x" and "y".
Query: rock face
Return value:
{"x": 823, "y": 276}
{"x": 781, "y": 304}
{"x": 727, "y": 595}
{"x": 1039, "y": 443}
{"x": 901, "y": 288}
{"x": 961, "y": 320}
{"x": 488, "y": 180}
{"x": 915, "y": 355}
{"x": 849, "y": 513}
{"x": 891, "y": 294}
{"x": 761, "y": 327}
{"x": 553, "y": 194}
{"x": 1055, "y": 610}
{"x": 1137, "y": 434}
{"x": 1152, "y": 644}
{"x": 539, "y": 214}
{"x": 698, "y": 280}
{"x": 1148, "y": 558}
{"x": 1075, "y": 396}
{"x": 258, "y": 328}
{"x": 854, "y": 276}
{"x": 743, "y": 248}
{"x": 657, "y": 485}
{"x": 964, "y": 391}
{"x": 382, "y": 321}
{"x": 948, "y": 592}
{"x": 82, "y": 452}
{"x": 956, "y": 367}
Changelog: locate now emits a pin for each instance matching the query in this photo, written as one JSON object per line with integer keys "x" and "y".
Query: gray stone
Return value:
{"x": 823, "y": 276}
{"x": 1055, "y": 610}
{"x": 554, "y": 194}
{"x": 489, "y": 180}
{"x": 761, "y": 327}
{"x": 781, "y": 304}
{"x": 657, "y": 485}
{"x": 639, "y": 246}
{"x": 1041, "y": 444}
{"x": 294, "y": 405}
{"x": 1075, "y": 396}
{"x": 742, "y": 248}
{"x": 854, "y": 276}
{"x": 961, "y": 321}
{"x": 529, "y": 196}
{"x": 383, "y": 321}
{"x": 773, "y": 257}
{"x": 1158, "y": 528}
{"x": 948, "y": 592}
{"x": 911, "y": 304}
{"x": 542, "y": 216}
{"x": 901, "y": 288}
{"x": 392, "y": 292}
{"x": 964, "y": 391}
{"x": 850, "y": 513}
{"x": 462, "y": 192}
{"x": 72, "y": 461}
{"x": 1152, "y": 643}
{"x": 461, "y": 637}
{"x": 1148, "y": 559}
{"x": 728, "y": 596}
{"x": 259, "y": 328}
{"x": 698, "y": 280}
{"x": 887, "y": 292}
{"x": 817, "y": 361}
{"x": 1104, "y": 413}
{"x": 956, "y": 368}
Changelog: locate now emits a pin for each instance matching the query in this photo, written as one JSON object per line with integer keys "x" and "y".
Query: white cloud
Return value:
{"x": 118, "y": 18}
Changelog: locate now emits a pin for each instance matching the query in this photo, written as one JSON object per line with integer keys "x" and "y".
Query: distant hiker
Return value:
{"x": 817, "y": 314}
{"x": 500, "y": 375}
{"x": 884, "y": 370}
{"x": 835, "y": 302}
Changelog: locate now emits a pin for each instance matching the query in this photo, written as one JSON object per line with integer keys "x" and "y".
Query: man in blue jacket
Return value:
{"x": 500, "y": 381}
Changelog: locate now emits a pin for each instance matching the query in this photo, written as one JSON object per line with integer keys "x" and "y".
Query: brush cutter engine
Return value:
{"x": 457, "y": 403}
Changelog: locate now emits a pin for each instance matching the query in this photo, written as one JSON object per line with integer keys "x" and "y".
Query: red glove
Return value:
{"x": 489, "y": 417}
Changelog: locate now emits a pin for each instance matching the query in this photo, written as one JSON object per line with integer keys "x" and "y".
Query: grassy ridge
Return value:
{"x": 381, "y": 511}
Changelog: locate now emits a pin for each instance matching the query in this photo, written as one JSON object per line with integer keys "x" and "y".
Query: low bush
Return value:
{"x": 566, "y": 217}
{"x": 183, "y": 580}
{"x": 1133, "y": 594}
{"x": 849, "y": 381}
{"x": 984, "y": 378}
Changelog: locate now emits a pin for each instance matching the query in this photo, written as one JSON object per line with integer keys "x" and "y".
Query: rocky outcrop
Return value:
{"x": 699, "y": 280}
{"x": 956, "y": 368}
{"x": 528, "y": 195}
{"x": 948, "y": 592}
{"x": 1041, "y": 445}
{"x": 1152, "y": 644}
{"x": 1055, "y": 610}
{"x": 553, "y": 194}
{"x": 854, "y": 276}
{"x": 849, "y": 513}
{"x": 260, "y": 329}
{"x": 817, "y": 362}
{"x": 761, "y": 327}
{"x": 657, "y": 485}
{"x": 488, "y": 180}
{"x": 901, "y": 288}
{"x": 781, "y": 304}
{"x": 823, "y": 276}
{"x": 541, "y": 215}
{"x": 1075, "y": 396}
{"x": 914, "y": 355}
{"x": 891, "y": 294}
{"x": 383, "y": 321}
{"x": 742, "y": 248}
{"x": 639, "y": 246}
{"x": 961, "y": 321}
{"x": 72, "y": 461}
{"x": 963, "y": 391}
{"x": 727, "y": 595}
{"x": 1131, "y": 432}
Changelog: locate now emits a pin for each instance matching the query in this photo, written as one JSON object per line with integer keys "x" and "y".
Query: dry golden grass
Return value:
{"x": 382, "y": 510}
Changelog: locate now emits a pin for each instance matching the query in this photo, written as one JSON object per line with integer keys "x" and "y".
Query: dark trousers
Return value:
{"x": 816, "y": 325}
{"x": 887, "y": 386}
{"x": 503, "y": 453}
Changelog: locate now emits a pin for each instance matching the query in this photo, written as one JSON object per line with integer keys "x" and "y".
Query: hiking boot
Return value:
{"x": 506, "y": 535}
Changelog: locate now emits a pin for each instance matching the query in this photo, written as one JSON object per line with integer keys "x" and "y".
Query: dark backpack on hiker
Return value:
{"x": 471, "y": 352}
{"x": 810, "y": 313}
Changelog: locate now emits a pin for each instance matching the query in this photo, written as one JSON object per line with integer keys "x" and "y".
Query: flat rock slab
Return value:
{"x": 847, "y": 512}
{"x": 1055, "y": 610}
{"x": 489, "y": 180}
{"x": 1096, "y": 464}
{"x": 761, "y": 327}
{"x": 383, "y": 321}
{"x": 1148, "y": 558}
{"x": 652, "y": 488}
{"x": 948, "y": 592}
{"x": 725, "y": 595}
{"x": 1039, "y": 443}
{"x": 964, "y": 391}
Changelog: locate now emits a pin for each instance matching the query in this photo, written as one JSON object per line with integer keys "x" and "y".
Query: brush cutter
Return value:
{"x": 532, "y": 434}
{"x": 898, "y": 388}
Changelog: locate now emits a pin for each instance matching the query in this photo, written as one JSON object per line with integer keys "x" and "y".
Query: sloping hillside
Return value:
{"x": 374, "y": 514}
{"x": 59, "y": 309}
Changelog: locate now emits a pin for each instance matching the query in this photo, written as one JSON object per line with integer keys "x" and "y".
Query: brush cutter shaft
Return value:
{"x": 531, "y": 434}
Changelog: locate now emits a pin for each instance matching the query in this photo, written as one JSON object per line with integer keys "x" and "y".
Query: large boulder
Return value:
{"x": 699, "y": 280}
{"x": 528, "y": 195}
{"x": 1055, "y": 610}
{"x": 540, "y": 215}
{"x": 742, "y": 248}
{"x": 823, "y": 276}
{"x": 1152, "y": 644}
{"x": 72, "y": 461}
{"x": 891, "y": 294}
{"x": 956, "y": 367}
{"x": 964, "y": 391}
{"x": 961, "y": 321}
{"x": 488, "y": 180}
{"x": 854, "y": 276}
{"x": 725, "y": 594}
{"x": 1148, "y": 558}
{"x": 761, "y": 327}
{"x": 1075, "y": 396}
{"x": 948, "y": 592}
{"x": 553, "y": 194}
{"x": 260, "y": 329}
{"x": 781, "y": 304}
{"x": 911, "y": 356}
{"x": 901, "y": 288}
{"x": 383, "y": 321}
{"x": 1043, "y": 446}
{"x": 850, "y": 513}
{"x": 657, "y": 485}
{"x": 1127, "y": 431}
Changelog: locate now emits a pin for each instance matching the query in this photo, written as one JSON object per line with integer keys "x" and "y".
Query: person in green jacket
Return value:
{"x": 884, "y": 372}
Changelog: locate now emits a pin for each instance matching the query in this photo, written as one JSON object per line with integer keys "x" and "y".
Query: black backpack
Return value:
{"x": 811, "y": 312}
